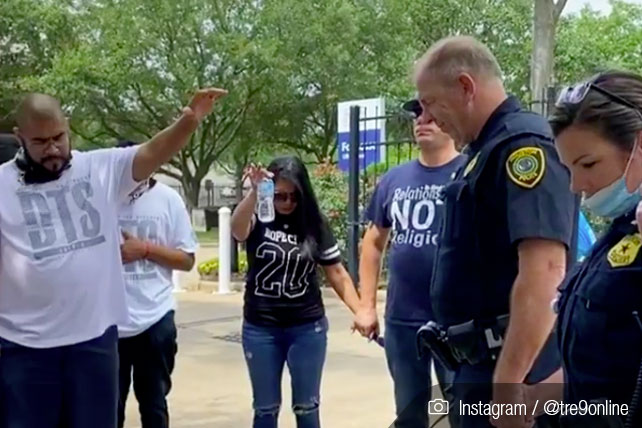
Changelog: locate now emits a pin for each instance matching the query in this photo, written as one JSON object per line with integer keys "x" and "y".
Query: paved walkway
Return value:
{"x": 211, "y": 386}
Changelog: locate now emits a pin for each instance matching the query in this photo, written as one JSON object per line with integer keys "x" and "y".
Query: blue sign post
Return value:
{"x": 372, "y": 132}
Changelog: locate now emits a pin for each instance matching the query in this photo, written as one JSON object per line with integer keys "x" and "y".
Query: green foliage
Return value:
{"x": 210, "y": 267}
{"x": 135, "y": 66}
{"x": 325, "y": 52}
{"x": 590, "y": 42}
{"x": 32, "y": 34}
{"x": 124, "y": 68}
{"x": 331, "y": 189}
{"x": 504, "y": 25}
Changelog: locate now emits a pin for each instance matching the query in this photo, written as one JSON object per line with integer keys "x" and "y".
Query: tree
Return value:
{"x": 325, "y": 52}
{"x": 31, "y": 34}
{"x": 139, "y": 63}
{"x": 240, "y": 155}
{"x": 591, "y": 41}
{"x": 545, "y": 19}
{"x": 503, "y": 25}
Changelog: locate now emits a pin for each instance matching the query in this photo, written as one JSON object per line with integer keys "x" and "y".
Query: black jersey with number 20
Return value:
{"x": 282, "y": 287}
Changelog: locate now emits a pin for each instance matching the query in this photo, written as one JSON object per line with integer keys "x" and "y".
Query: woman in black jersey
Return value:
{"x": 284, "y": 317}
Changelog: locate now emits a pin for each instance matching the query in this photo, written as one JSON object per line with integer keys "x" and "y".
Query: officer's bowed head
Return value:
{"x": 460, "y": 85}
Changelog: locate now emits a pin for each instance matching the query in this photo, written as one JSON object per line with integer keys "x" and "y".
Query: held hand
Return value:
{"x": 203, "y": 101}
{"x": 512, "y": 395}
{"x": 366, "y": 322}
{"x": 133, "y": 249}
{"x": 256, "y": 174}
{"x": 535, "y": 397}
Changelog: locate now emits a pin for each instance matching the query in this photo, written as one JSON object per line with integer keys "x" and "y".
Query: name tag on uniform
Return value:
{"x": 625, "y": 251}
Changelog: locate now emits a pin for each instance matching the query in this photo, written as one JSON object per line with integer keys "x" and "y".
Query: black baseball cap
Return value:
{"x": 9, "y": 146}
{"x": 413, "y": 106}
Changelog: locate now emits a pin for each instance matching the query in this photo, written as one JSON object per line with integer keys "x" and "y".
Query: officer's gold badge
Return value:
{"x": 625, "y": 251}
{"x": 526, "y": 166}
{"x": 470, "y": 165}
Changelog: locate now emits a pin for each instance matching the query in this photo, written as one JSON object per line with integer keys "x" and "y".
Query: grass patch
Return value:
{"x": 209, "y": 237}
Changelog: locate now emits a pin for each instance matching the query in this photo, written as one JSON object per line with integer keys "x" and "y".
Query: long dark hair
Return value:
{"x": 614, "y": 121}
{"x": 307, "y": 213}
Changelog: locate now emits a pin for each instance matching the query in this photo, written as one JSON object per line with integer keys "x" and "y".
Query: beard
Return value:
{"x": 55, "y": 163}
{"x": 36, "y": 172}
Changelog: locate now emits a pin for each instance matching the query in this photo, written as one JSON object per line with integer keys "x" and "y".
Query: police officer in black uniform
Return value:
{"x": 509, "y": 228}
{"x": 597, "y": 124}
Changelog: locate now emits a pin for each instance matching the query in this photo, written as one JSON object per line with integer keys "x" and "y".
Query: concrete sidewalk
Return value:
{"x": 211, "y": 386}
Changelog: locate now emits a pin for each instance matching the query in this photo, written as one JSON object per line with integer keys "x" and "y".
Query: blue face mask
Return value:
{"x": 613, "y": 200}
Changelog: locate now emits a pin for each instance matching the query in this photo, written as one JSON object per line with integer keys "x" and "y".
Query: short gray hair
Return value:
{"x": 459, "y": 54}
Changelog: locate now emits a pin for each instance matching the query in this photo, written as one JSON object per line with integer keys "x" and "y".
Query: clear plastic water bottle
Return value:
{"x": 265, "y": 194}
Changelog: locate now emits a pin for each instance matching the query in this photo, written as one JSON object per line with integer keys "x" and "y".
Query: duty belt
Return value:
{"x": 472, "y": 342}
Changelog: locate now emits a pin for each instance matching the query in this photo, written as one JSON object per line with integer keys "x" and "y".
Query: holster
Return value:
{"x": 474, "y": 341}
{"x": 432, "y": 338}
{"x": 471, "y": 342}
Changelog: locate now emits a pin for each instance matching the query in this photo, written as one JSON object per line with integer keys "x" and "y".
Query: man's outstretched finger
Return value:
{"x": 214, "y": 92}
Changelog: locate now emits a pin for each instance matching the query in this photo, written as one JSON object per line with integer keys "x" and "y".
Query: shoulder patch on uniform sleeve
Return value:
{"x": 526, "y": 166}
{"x": 471, "y": 165}
{"x": 625, "y": 251}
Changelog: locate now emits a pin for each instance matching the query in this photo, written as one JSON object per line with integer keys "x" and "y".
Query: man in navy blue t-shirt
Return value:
{"x": 408, "y": 203}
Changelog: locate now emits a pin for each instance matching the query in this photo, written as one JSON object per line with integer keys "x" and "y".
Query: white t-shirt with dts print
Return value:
{"x": 159, "y": 216}
{"x": 61, "y": 278}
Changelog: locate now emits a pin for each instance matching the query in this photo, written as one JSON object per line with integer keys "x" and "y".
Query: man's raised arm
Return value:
{"x": 164, "y": 145}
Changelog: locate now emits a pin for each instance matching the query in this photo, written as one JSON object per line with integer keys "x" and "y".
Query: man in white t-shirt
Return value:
{"x": 62, "y": 291}
{"x": 157, "y": 239}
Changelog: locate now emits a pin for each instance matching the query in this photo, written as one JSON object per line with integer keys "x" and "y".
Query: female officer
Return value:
{"x": 284, "y": 319}
{"x": 597, "y": 123}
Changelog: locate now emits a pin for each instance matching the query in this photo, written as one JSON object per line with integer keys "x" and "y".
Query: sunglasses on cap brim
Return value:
{"x": 575, "y": 95}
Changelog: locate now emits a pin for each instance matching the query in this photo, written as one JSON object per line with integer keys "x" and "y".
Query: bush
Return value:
{"x": 331, "y": 189}
{"x": 210, "y": 267}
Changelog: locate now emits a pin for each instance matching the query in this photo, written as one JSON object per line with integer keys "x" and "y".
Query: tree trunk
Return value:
{"x": 192, "y": 189}
{"x": 546, "y": 16}
{"x": 238, "y": 188}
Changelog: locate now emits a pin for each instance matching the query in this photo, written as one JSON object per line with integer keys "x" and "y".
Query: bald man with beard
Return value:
{"x": 62, "y": 292}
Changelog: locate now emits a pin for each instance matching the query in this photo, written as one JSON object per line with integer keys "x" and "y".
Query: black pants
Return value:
{"x": 474, "y": 384}
{"x": 72, "y": 386}
{"x": 150, "y": 357}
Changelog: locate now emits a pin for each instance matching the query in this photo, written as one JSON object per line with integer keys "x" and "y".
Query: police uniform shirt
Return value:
{"x": 518, "y": 190}
{"x": 282, "y": 287}
{"x": 600, "y": 340}
{"x": 61, "y": 279}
